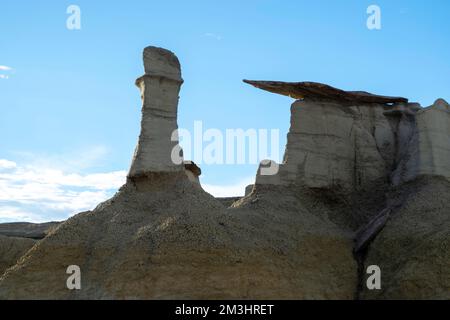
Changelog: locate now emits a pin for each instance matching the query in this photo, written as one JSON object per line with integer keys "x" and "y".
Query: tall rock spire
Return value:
{"x": 159, "y": 86}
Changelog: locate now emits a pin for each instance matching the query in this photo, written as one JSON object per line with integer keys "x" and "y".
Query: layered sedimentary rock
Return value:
{"x": 344, "y": 139}
{"x": 320, "y": 91}
{"x": 159, "y": 86}
{"x": 348, "y": 139}
{"x": 426, "y": 144}
{"x": 335, "y": 147}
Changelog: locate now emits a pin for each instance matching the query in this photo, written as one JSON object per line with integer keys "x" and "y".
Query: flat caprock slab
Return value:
{"x": 320, "y": 91}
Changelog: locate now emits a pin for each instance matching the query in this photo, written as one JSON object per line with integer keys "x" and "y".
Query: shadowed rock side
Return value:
{"x": 163, "y": 238}
{"x": 426, "y": 147}
{"x": 413, "y": 249}
{"x": 27, "y": 230}
{"x": 346, "y": 152}
{"x": 11, "y": 249}
{"x": 315, "y": 90}
{"x": 17, "y": 238}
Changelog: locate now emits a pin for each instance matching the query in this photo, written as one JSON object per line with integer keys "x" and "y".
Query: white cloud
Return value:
{"x": 73, "y": 161}
{"x": 6, "y": 164}
{"x": 42, "y": 176}
{"x": 213, "y": 35}
{"x": 11, "y": 214}
{"x": 7, "y": 69}
{"x": 34, "y": 192}
{"x": 49, "y": 188}
{"x": 231, "y": 190}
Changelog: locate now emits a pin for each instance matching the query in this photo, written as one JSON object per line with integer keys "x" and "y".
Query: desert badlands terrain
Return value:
{"x": 365, "y": 181}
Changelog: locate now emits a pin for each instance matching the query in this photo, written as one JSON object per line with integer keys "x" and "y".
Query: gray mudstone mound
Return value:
{"x": 11, "y": 249}
{"x": 163, "y": 237}
{"x": 413, "y": 249}
{"x": 27, "y": 230}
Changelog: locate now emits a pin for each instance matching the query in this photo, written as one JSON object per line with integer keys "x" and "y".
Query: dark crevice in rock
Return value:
{"x": 360, "y": 258}
{"x": 367, "y": 234}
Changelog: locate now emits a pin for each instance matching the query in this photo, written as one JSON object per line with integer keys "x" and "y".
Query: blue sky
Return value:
{"x": 70, "y": 112}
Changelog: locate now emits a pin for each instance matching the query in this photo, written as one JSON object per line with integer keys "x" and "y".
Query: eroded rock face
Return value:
{"x": 413, "y": 248}
{"x": 11, "y": 249}
{"x": 336, "y": 147}
{"x": 348, "y": 140}
{"x": 159, "y": 86}
{"x": 427, "y": 144}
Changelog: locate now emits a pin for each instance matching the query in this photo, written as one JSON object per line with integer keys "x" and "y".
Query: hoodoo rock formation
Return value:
{"x": 384, "y": 164}
{"x": 340, "y": 140}
{"x": 162, "y": 236}
{"x": 159, "y": 88}
{"x": 365, "y": 180}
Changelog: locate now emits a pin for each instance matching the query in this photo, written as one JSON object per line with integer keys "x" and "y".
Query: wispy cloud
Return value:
{"x": 76, "y": 160}
{"x": 213, "y": 35}
{"x": 4, "y": 69}
{"x": 230, "y": 190}
{"x": 35, "y": 192}
{"x": 12, "y": 214}
{"x": 41, "y": 188}
{"x": 6, "y": 164}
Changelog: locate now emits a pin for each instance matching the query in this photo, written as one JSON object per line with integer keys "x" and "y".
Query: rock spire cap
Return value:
{"x": 161, "y": 62}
